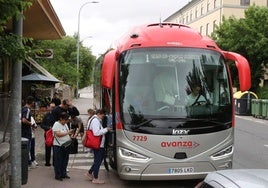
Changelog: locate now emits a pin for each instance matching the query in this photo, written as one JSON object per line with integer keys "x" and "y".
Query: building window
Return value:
{"x": 181, "y": 20}
{"x": 214, "y": 25}
{"x": 187, "y": 18}
{"x": 207, "y": 29}
{"x": 202, "y": 9}
{"x": 215, "y": 3}
{"x": 201, "y": 30}
{"x": 196, "y": 12}
{"x": 208, "y": 5}
{"x": 191, "y": 15}
{"x": 244, "y": 2}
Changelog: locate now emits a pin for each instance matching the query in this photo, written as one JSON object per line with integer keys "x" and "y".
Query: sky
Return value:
{"x": 104, "y": 22}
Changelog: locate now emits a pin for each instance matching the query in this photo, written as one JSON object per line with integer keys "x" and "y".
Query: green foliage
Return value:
{"x": 249, "y": 37}
{"x": 262, "y": 92}
{"x": 64, "y": 62}
{"x": 12, "y": 45}
{"x": 11, "y": 8}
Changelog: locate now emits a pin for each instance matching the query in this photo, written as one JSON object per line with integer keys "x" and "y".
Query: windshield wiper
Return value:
{"x": 134, "y": 127}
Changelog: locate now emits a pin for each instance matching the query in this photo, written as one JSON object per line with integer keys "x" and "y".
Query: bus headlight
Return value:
{"x": 131, "y": 155}
{"x": 223, "y": 153}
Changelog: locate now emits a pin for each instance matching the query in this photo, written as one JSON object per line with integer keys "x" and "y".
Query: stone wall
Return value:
{"x": 4, "y": 160}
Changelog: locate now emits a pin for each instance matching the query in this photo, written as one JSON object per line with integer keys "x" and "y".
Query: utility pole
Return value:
{"x": 78, "y": 45}
{"x": 15, "y": 111}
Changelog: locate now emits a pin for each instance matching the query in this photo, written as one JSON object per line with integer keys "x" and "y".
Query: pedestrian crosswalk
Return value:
{"x": 81, "y": 160}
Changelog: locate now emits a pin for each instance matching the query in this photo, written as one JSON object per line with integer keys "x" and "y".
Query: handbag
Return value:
{"x": 91, "y": 141}
{"x": 73, "y": 148}
{"x": 49, "y": 138}
{"x": 67, "y": 143}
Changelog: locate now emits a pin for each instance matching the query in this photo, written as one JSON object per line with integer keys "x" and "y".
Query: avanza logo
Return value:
{"x": 180, "y": 144}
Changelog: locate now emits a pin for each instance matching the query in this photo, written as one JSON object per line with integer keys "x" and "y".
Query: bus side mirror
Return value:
{"x": 243, "y": 68}
{"x": 108, "y": 67}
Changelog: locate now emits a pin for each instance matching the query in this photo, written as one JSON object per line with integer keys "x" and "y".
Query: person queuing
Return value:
{"x": 95, "y": 124}
{"x": 90, "y": 113}
{"x": 60, "y": 154}
{"x": 56, "y": 100}
{"x": 26, "y": 124}
{"x": 32, "y": 150}
{"x": 65, "y": 106}
{"x": 76, "y": 124}
{"x": 46, "y": 124}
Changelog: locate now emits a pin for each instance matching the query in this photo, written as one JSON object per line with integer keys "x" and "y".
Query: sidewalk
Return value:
{"x": 43, "y": 177}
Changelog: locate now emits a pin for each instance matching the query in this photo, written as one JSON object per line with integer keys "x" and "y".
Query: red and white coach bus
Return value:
{"x": 169, "y": 92}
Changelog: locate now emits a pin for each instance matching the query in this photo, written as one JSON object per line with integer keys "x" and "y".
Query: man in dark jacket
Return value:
{"x": 46, "y": 124}
{"x": 56, "y": 100}
{"x": 26, "y": 124}
{"x": 65, "y": 106}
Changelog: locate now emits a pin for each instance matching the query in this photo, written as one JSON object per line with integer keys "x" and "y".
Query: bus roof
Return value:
{"x": 164, "y": 35}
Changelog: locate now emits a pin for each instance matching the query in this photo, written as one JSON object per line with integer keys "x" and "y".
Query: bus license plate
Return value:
{"x": 183, "y": 170}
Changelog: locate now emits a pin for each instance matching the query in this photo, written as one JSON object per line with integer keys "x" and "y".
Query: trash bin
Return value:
{"x": 258, "y": 112}
{"x": 253, "y": 107}
{"x": 264, "y": 108}
{"x": 242, "y": 107}
{"x": 24, "y": 160}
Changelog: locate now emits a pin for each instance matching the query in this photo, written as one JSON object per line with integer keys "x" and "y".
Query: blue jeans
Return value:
{"x": 98, "y": 158}
{"x": 61, "y": 158}
{"x": 29, "y": 150}
{"x": 32, "y": 149}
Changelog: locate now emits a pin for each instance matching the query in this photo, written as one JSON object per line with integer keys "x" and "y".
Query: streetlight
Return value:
{"x": 78, "y": 45}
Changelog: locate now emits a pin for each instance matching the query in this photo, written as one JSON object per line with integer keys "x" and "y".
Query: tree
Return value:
{"x": 249, "y": 37}
{"x": 9, "y": 43}
{"x": 63, "y": 64}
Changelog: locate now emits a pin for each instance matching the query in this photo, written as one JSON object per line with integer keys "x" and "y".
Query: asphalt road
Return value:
{"x": 251, "y": 143}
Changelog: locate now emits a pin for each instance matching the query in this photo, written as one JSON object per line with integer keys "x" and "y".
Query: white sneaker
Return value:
{"x": 32, "y": 166}
{"x": 36, "y": 163}
{"x": 89, "y": 155}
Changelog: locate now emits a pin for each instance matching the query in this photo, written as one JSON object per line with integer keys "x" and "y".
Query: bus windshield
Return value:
{"x": 173, "y": 83}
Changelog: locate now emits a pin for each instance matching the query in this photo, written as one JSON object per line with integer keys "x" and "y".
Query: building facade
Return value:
{"x": 204, "y": 15}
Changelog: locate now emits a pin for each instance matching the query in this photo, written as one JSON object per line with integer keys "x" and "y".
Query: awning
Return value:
{"x": 41, "y": 69}
{"x": 40, "y": 22}
{"x": 35, "y": 77}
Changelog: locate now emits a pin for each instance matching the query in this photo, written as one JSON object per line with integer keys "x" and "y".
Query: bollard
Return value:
{"x": 24, "y": 160}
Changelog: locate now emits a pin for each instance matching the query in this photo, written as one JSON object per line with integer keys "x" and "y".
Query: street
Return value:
{"x": 251, "y": 143}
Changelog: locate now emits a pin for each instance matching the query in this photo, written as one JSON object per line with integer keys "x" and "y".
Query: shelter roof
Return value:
{"x": 33, "y": 77}
{"x": 41, "y": 22}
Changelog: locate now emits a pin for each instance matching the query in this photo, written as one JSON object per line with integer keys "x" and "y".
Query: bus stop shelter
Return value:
{"x": 243, "y": 102}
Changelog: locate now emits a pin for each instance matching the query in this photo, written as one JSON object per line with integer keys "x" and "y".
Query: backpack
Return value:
{"x": 49, "y": 138}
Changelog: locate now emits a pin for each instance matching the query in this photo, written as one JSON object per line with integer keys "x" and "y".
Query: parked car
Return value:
{"x": 236, "y": 178}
